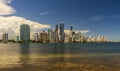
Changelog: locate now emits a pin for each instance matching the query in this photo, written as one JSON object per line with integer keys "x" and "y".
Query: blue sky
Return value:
{"x": 98, "y": 16}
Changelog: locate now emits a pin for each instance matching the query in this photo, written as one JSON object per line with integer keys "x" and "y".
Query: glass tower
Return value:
{"x": 25, "y": 32}
{"x": 62, "y": 32}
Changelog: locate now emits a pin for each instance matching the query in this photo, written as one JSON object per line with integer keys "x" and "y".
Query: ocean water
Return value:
{"x": 60, "y": 57}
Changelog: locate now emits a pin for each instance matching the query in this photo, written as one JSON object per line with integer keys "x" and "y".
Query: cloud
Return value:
{"x": 102, "y": 17}
{"x": 97, "y": 18}
{"x": 44, "y": 13}
{"x": 76, "y": 31}
{"x": 11, "y": 25}
{"x": 85, "y": 31}
{"x": 5, "y": 9}
{"x": 114, "y": 16}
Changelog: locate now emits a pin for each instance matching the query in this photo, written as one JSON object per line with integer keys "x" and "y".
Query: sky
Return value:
{"x": 100, "y": 17}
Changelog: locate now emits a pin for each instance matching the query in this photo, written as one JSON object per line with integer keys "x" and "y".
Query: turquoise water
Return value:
{"x": 60, "y": 57}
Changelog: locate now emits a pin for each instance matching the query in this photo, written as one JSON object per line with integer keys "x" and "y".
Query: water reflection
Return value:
{"x": 9, "y": 56}
{"x": 24, "y": 54}
{"x": 58, "y": 57}
{"x": 60, "y": 49}
{"x": 59, "y": 52}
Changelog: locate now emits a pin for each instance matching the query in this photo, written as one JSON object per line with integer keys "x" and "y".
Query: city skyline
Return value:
{"x": 97, "y": 16}
{"x": 52, "y": 36}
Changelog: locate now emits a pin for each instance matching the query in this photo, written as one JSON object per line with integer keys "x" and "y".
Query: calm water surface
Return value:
{"x": 60, "y": 57}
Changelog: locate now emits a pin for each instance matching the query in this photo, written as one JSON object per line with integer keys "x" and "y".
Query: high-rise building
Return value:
{"x": 5, "y": 37}
{"x": 56, "y": 31}
{"x": 56, "y": 34}
{"x": 36, "y": 37}
{"x": 16, "y": 38}
{"x": 66, "y": 40}
{"x": 43, "y": 37}
{"x": 25, "y": 33}
{"x": 62, "y": 34}
{"x": 56, "y": 28}
{"x": 51, "y": 35}
{"x": 101, "y": 39}
{"x": 71, "y": 29}
{"x": 61, "y": 28}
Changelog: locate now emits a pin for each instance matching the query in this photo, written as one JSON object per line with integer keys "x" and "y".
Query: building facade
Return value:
{"x": 16, "y": 38}
{"x": 43, "y": 37}
{"x": 51, "y": 36}
{"x": 62, "y": 34}
{"x": 25, "y": 33}
{"x": 71, "y": 29}
{"x": 56, "y": 34}
{"x": 5, "y": 38}
{"x": 36, "y": 37}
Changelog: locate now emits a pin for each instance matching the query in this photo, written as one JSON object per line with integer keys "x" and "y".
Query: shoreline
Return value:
{"x": 64, "y": 64}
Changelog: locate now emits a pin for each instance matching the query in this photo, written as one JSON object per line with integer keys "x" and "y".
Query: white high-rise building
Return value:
{"x": 66, "y": 40}
{"x": 36, "y": 37}
{"x": 51, "y": 35}
{"x": 5, "y": 37}
{"x": 16, "y": 38}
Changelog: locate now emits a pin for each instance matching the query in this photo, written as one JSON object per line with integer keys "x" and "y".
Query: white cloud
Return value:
{"x": 97, "y": 18}
{"x": 44, "y": 13}
{"x": 11, "y": 25}
{"x": 76, "y": 31}
{"x": 5, "y": 9}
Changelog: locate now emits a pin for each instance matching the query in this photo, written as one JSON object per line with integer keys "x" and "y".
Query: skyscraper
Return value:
{"x": 61, "y": 28}
{"x": 62, "y": 35}
{"x": 56, "y": 30}
{"x": 56, "y": 33}
{"x": 25, "y": 33}
{"x": 36, "y": 37}
{"x": 16, "y": 38}
{"x": 43, "y": 37}
{"x": 56, "y": 27}
{"x": 71, "y": 29}
{"x": 51, "y": 35}
{"x": 5, "y": 37}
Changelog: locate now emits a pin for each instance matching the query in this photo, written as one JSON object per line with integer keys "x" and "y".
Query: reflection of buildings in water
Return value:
{"x": 64, "y": 50}
{"x": 9, "y": 57}
{"x": 7, "y": 61}
{"x": 24, "y": 54}
{"x": 60, "y": 50}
